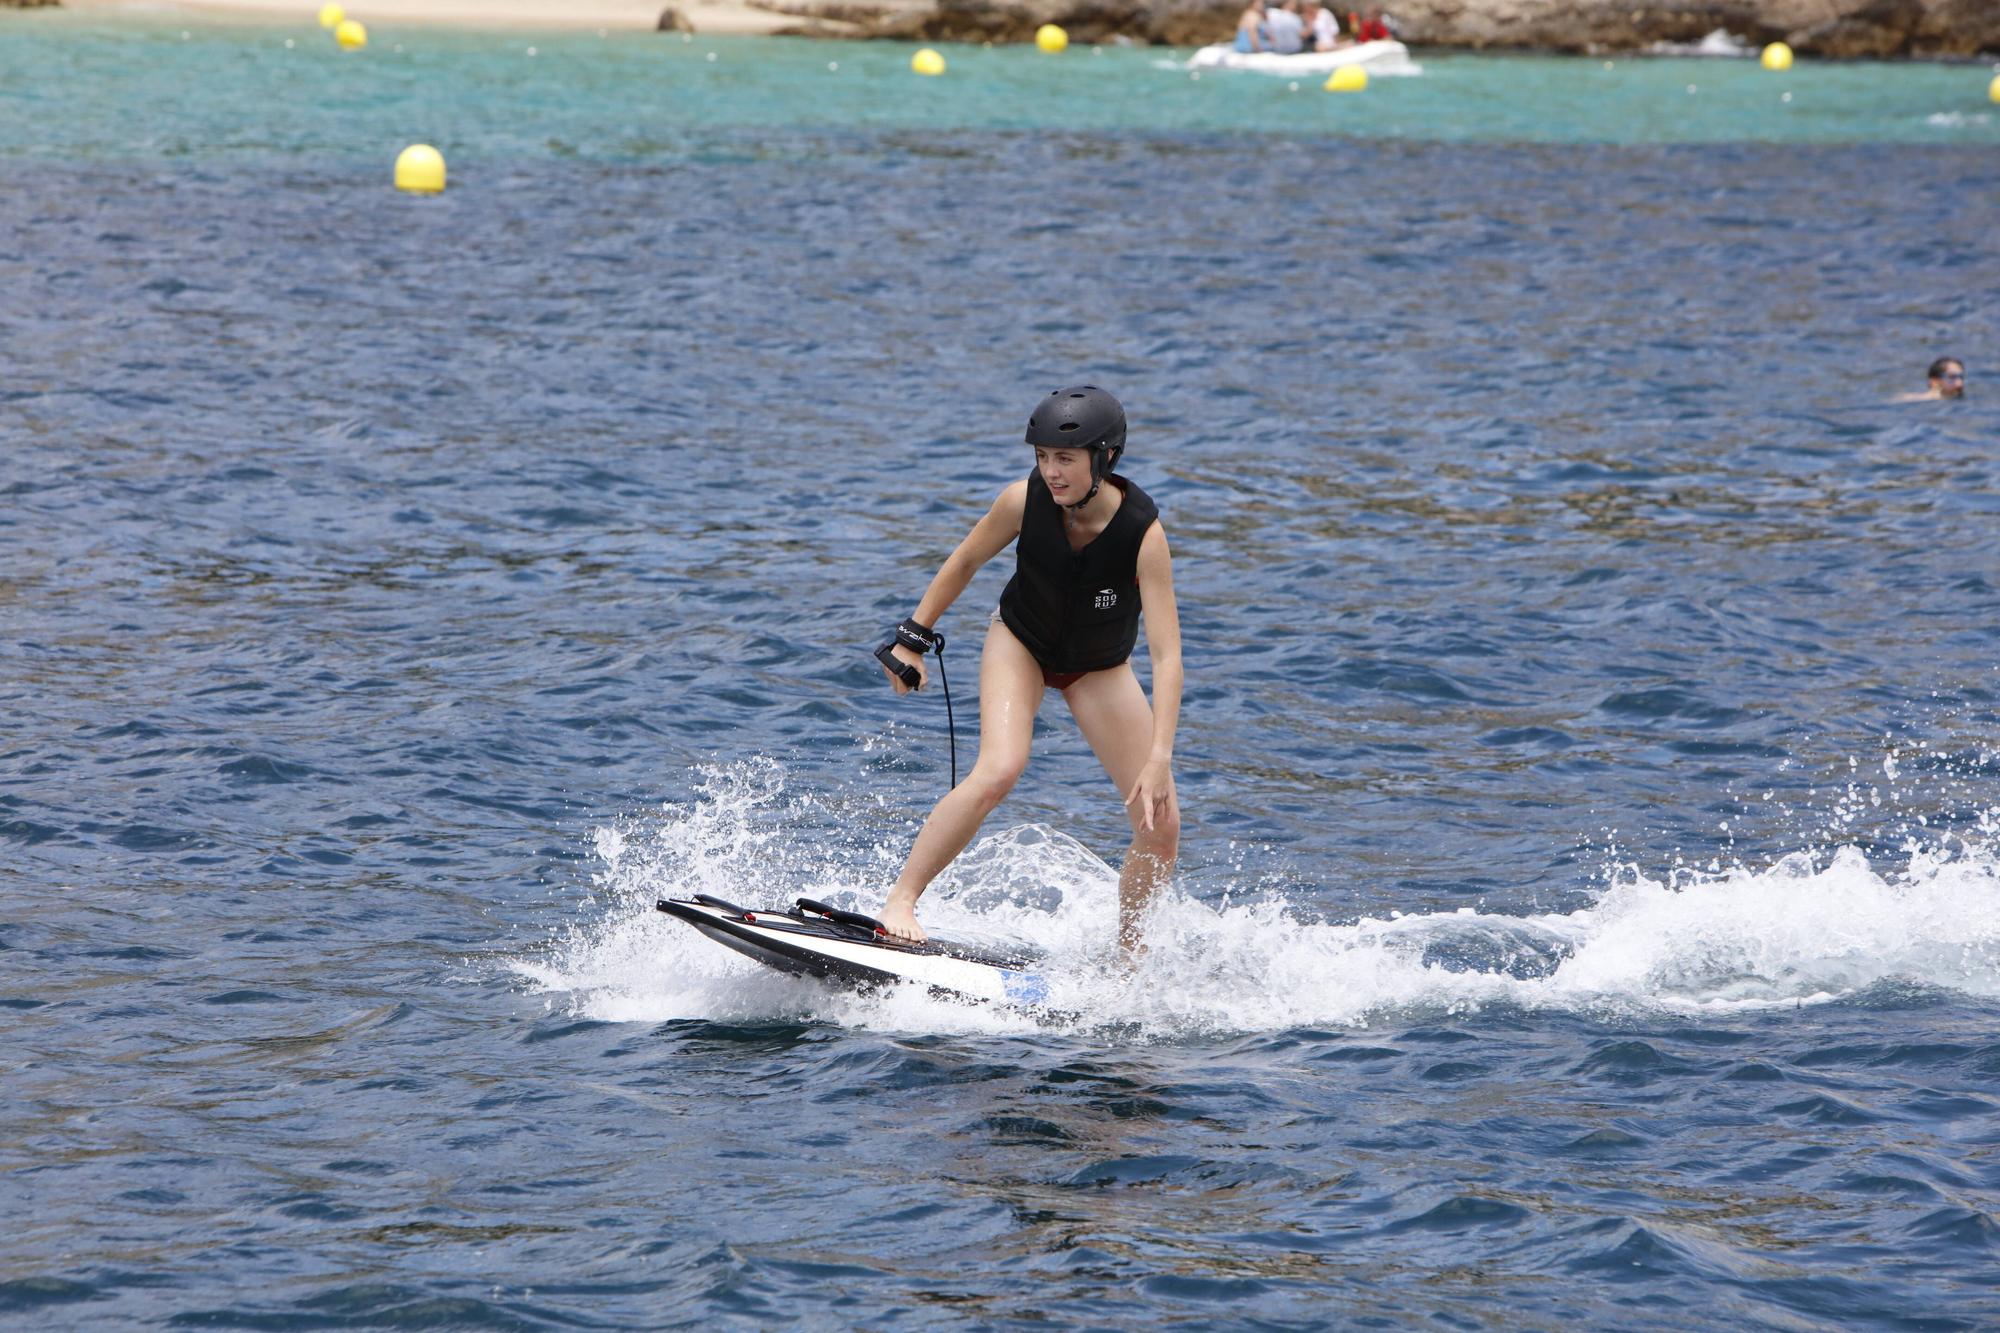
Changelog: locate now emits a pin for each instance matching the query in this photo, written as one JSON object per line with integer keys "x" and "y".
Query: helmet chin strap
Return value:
{"x": 1098, "y": 467}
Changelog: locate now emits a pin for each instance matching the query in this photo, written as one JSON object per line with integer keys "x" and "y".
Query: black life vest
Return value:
{"x": 1077, "y": 610}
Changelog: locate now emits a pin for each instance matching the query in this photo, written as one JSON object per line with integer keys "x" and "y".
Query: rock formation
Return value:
{"x": 1834, "y": 28}
{"x": 1842, "y": 29}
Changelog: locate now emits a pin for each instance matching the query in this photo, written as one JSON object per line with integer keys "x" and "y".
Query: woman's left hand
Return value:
{"x": 1153, "y": 792}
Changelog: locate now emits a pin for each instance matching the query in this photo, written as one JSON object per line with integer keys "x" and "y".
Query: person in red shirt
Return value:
{"x": 1373, "y": 28}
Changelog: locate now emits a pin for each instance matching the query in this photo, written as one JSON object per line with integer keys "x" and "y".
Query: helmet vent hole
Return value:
{"x": 1067, "y": 425}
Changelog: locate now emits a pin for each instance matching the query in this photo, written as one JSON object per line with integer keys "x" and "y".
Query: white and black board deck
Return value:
{"x": 854, "y": 951}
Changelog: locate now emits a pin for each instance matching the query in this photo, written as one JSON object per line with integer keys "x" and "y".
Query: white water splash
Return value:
{"x": 1809, "y": 929}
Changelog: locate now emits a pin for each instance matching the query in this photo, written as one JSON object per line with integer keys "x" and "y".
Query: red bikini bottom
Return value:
{"x": 1055, "y": 680}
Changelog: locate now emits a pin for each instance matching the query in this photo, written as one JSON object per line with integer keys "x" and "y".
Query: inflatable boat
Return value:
{"x": 1378, "y": 58}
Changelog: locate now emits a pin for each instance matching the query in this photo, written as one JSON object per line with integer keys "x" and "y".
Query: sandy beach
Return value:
{"x": 708, "y": 16}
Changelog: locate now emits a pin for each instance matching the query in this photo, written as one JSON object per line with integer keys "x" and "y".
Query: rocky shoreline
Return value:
{"x": 1830, "y": 29}
{"x": 1836, "y": 29}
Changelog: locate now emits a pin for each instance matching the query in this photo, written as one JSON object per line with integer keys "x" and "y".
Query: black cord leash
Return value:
{"x": 950, "y": 723}
{"x": 919, "y": 639}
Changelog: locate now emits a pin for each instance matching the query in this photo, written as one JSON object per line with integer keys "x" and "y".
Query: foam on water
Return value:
{"x": 1810, "y": 928}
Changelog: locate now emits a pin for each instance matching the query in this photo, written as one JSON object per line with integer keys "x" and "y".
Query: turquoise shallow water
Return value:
{"x": 1589, "y": 914}
{"x": 80, "y": 87}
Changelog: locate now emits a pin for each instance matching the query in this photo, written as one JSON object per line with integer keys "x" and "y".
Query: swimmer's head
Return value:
{"x": 1948, "y": 377}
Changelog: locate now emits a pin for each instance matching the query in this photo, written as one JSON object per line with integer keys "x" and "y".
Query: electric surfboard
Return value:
{"x": 855, "y": 951}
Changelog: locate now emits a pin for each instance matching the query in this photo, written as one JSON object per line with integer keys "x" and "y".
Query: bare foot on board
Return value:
{"x": 900, "y": 920}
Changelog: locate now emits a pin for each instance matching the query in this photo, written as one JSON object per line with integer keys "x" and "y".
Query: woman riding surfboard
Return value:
{"x": 1089, "y": 552}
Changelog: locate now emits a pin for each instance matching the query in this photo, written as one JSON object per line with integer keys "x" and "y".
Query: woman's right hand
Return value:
{"x": 908, "y": 658}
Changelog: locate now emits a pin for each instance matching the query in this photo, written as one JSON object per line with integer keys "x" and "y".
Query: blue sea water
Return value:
{"x": 1588, "y": 912}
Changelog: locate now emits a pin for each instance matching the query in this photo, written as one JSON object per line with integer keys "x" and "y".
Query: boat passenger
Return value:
{"x": 1947, "y": 380}
{"x": 1373, "y": 26}
{"x": 1251, "y": 35}
{"x": 1090, "y": 555}
{"x": 1287, "y": 29}
{"x": 1322, "y": 28}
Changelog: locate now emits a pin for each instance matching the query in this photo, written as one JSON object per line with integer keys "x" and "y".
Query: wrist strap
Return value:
{"x": 917, "y": 638}
{"x": 903, "y": 671}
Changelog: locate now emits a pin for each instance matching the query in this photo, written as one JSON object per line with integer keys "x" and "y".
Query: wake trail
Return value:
{"x": 1809, "y": 928}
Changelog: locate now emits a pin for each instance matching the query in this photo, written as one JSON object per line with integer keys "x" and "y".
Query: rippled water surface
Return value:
{"x": 1588, "y": 912}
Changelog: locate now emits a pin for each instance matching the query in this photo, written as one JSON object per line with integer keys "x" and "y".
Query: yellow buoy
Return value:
{"x": 1052, "y": 40}
{"x": 1347, "y": 79}
{"x": 927, "y": 61}
{"x": 330, "y": 16}
{"x": 420, "y": 169}
{"x": 1993, "y": 89}
{"x": 351, "y": 35}
{"x": 1777, "y": 57}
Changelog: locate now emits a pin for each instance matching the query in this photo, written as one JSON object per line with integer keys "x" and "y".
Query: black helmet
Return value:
{"x": 1081, "y": 417}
